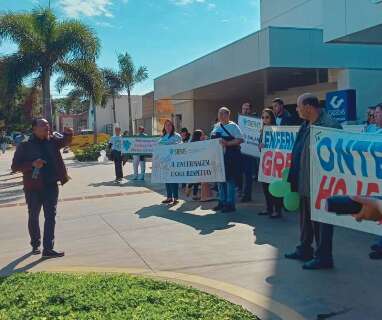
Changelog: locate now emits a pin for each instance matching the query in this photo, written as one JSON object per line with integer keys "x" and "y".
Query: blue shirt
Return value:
{"x": 231, "y": 127}
{"x": 116, "y": 143}
{"x": 167, "y": 139}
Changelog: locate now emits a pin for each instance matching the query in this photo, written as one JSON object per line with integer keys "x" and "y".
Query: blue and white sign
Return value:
{"x": 341, "y": 105}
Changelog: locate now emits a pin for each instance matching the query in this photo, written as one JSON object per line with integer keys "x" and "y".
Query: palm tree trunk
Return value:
{"x": 95, "y": 133}
{"x": 130, "y": 113}
{"x": 46, "y": 101}
{"x": 114, "y": 113}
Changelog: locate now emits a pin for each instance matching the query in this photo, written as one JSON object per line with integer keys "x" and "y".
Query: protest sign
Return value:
{"x": 139, "y": 145}
{"x": 188, "y": 163}
{"x": 251, "y": 127}
{"x": 344, "y": 163}
{"x": 354, "y": 127}
{"x": 276, "y": 154}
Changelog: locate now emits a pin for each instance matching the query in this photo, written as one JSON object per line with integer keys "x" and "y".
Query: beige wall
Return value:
{"x": 186, "y": 110}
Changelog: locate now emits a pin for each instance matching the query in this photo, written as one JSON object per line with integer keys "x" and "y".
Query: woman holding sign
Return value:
{"x": 274, "y": 205}
{"x": 231, "y": 138}
{"x": 169, "y": 136}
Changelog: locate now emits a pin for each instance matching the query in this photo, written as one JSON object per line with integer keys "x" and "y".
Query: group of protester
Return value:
{"x": 40, "y": 161}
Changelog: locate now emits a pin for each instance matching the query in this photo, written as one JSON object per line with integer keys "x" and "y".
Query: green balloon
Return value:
{"x": 285, "y": 174}
{"x": 291, "y": 201}
{"x": 279, "y": 189}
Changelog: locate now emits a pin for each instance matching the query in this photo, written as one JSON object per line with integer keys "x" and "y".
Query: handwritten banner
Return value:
{"x": 276, "y": 155}
{"x": 188, "y": 163}
{"x": 344, "y": 163}
{"x": 139, "y": 145}
{"x": 251, "y": 127}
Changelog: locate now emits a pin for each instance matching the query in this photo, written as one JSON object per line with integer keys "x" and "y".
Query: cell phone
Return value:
{"x": 344, "y": 205}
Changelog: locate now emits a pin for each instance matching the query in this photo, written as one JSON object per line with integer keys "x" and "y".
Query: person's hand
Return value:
{"x": 371, "y": 209}
{"x": 261, "y": 146}
{"x": 39, "y": 163}
{"x": 68, "y": 131}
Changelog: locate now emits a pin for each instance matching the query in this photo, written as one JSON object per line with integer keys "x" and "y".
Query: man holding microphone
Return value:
{"x": 40, "y": 161}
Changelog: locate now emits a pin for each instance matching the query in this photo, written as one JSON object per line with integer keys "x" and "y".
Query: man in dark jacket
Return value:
{"x": 283, "y": 117}
{"x": 40, "y": 161}
{"x": 308, "y": 108}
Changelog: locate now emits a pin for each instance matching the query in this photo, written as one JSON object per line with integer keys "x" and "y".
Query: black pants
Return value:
{"x": 246, "y": 178}
{"x": 310, "y": 230}
{"x": 47, "y": 199}
{"x": 273, "y": 204}
{"x": 117, "y": 157}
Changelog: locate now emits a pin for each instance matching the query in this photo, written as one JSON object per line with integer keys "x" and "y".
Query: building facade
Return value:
{"x": 286, "y": 57}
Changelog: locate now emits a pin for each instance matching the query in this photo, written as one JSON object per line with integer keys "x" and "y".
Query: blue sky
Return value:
{"x": 161, "y": 34}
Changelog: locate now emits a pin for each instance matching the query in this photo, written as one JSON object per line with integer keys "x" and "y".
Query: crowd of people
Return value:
{"x": 40, "y": 161}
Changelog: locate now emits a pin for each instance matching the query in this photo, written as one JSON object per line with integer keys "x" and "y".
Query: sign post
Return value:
{"x": 341, "y": 105}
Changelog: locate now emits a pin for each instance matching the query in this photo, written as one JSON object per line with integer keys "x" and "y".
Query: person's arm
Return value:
{"x": 66, "y": 140}
{"x": 18, "y": 162}
{"x": 371, "y": 209}
{"x": 237, "y": 134}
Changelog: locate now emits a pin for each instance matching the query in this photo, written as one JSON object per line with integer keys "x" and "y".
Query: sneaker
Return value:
{"x": 176, "y": 201}
{"x": 275, "y": 216}
{"x": 229, "y": 208}
{"x": 317, "y": 264}
{"x": 36, "y": 251}
{"x": 50, "y": 254}
{"x": 166, "y": 201}
{"x": 375, "y": 255}
{"x": 299, "y": 256}
{"x": 141, "y": 177}
{"x": 265, "y": 213}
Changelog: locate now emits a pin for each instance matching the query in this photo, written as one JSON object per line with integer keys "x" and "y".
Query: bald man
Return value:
{"x": 310, "y": 110}
{"x": 41, "y": 164}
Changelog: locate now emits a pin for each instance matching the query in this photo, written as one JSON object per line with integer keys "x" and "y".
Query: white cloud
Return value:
{"x": 89, "y": 8}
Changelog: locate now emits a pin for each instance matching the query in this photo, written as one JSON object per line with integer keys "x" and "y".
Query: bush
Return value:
{"x": 90, "y": 153}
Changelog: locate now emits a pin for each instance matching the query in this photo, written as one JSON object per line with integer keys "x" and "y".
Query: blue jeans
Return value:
{"x": 227, "y": 193}
{"x": 172, "y": 190}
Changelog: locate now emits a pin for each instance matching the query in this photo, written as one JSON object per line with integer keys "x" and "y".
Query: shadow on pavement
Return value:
{"x": 12, "y": 266}
{"x": 11, "y": 196}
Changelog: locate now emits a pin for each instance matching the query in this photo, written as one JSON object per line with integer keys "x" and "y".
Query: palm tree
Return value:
{"x": 87, "y": 82}
{"x": 130, "y": 77}
{"x": 113, "y": 85}
{"x": 45, "y": 46}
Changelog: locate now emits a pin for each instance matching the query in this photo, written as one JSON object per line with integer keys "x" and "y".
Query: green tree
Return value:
{"x": 130, "y": 76}
{"x": 45, "y": 46}
{"x": 113, "y": 85}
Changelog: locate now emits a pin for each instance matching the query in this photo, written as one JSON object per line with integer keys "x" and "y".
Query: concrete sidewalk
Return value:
{"x": 103, "y": 225}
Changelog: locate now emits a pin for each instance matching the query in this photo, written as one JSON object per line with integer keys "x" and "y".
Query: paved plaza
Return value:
{"x": 107, "y": 227}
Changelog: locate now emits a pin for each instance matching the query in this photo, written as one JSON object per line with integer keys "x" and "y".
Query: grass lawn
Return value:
{"x": 98, "y": 296}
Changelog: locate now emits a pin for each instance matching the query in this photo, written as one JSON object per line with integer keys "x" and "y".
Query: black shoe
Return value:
{"x": 317, "y": 264}
{"x": 275, "y": 216}
{"x": 50, "y": 254}
{"x": 245, "y": 200}
{"x": 299, "y": 256}
{"x": 375, "y": 255}
{"x": 36, "y": 251}
{"x": 376, "y": 247}
{"x": 167, "y": 201}
{"x": 227, "y": 209}
{"x": 219, "y": 207}
{"x": 265, "y": 213}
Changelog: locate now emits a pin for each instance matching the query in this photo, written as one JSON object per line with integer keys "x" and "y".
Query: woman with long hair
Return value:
{"x": 274, "y": 205}
{"x": 169, "y": 136}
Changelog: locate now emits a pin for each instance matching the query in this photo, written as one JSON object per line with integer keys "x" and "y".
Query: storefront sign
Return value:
{"x": 341, "y": 105}
{"x": 251, "y": 128}
{"x": 276, "y": 153}
{"x": 188, "y": 163}
{"x": 344, "y": 163}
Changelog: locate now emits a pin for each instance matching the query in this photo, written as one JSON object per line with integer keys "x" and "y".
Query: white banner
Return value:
{"x": 276, "y": 154}
{"x": 139, "y": 145}
{"x": 354, "y": 127}
{"x": 188, "y": 162}
{"x": 344, "y": 163}
{"x": 251, "y": 127}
